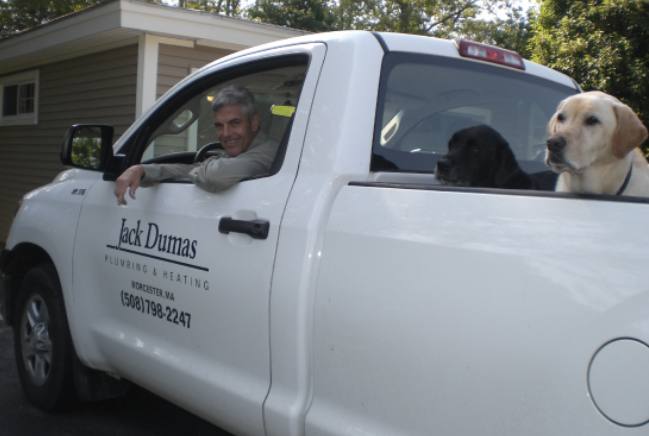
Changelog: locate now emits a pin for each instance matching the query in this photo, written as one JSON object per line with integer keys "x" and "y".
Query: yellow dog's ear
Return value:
{"x": 630, "y": 132}
{"x": 552, "y": 125}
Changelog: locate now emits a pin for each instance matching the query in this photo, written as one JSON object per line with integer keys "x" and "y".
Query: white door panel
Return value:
{"x": 174, "y": 304}
{"x": 214, "y": 305}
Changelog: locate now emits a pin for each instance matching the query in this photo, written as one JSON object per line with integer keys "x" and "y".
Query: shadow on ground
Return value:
{"x": 138, "y": 413}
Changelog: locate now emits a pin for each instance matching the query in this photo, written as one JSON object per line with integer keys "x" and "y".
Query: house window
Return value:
{"x": 19, "y": 95}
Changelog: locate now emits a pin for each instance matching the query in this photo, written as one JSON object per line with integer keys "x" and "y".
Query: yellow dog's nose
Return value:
{"x": 556, "y": 143}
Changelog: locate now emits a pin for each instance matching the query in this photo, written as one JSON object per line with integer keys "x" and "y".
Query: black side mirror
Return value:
{"x": 88, "y": 146}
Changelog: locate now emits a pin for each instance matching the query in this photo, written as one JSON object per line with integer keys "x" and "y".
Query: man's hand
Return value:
{"x": 129, "y": 179}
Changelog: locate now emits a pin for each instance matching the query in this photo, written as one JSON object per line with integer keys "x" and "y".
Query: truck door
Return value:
{"x": 169, "y": 300}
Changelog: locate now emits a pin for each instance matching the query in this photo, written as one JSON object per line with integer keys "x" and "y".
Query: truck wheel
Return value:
{"x": 43, "y": 346}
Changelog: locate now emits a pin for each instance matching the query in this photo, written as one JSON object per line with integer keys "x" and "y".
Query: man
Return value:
{"x": 248, "y": 151}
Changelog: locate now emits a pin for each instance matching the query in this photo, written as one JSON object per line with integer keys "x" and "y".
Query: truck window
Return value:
{"x": 189, "y": 124}
{"x": 423, "y": 100}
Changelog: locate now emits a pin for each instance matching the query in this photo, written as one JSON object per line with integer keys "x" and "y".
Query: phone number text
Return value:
{"x": 157, "y": 310}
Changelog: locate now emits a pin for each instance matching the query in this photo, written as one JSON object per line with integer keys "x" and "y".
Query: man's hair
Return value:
{"x": 235, "y": 95}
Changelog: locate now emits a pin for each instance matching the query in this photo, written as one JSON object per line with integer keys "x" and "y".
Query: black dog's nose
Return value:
{"x": 556, "y": 143}
{"x": 443, "y": 166}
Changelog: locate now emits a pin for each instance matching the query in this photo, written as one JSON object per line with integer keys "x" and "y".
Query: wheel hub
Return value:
{"x": 36, "y": 344}
{"x": 40, "y": 338}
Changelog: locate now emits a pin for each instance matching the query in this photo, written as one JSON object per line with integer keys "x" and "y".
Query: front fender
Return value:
{"x": 43, "y": 230}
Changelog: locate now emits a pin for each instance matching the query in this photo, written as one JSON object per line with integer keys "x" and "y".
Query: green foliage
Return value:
{"x": 441, "y": 18}
{"x": 420, "y": 17}
{"x": 17, "y": 15}
{"x": 86, "y": 152}
{"x": 227, "y": 7}
{"x": 309, "y": 15}
{"x": 514, "y": 32}
{"x": 412, "y": 16}
{"x": 601, "y": 44}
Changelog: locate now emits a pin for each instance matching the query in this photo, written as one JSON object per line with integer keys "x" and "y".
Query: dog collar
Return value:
{"x": 626, "y": 181}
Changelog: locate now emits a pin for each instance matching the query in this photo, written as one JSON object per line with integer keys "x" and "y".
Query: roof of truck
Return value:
{"x": 397, "y": 42}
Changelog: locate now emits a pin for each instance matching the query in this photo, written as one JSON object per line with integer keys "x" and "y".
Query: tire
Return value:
{"x": 42, "y": 341}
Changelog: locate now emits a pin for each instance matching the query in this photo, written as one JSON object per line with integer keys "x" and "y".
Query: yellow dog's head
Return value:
{"x": 589, "y": 128}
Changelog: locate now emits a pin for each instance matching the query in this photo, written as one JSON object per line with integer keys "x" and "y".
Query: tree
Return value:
{"x": 600, "y": 43}
{"x": 355, "y": 14}
{"x": 422, "y": 17}
{"x": 443, "y": 18}
{"x": 18, "y": 15}
{"x": 514, "y": 32}
{"x": 86, "y": 152}
{"x": 227, "y": 7}
{"x": 309, "y": 15}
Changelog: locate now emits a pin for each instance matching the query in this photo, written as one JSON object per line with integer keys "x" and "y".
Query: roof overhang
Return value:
{"x": 117, "y": 23}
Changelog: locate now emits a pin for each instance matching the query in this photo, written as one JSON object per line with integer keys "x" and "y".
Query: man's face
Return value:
{"x": 233, "y": 129}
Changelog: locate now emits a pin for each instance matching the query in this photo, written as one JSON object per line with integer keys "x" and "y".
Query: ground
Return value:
{"x": 138, "y": 413}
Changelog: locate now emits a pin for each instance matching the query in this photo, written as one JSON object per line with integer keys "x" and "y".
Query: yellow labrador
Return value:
{"x": 593, "y": 145}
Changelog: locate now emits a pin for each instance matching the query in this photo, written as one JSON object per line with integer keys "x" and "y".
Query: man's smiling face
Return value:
{"x": 233, "y": 129}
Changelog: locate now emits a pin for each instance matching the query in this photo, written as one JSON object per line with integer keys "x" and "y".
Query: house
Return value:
{"x": 105, "y": 64}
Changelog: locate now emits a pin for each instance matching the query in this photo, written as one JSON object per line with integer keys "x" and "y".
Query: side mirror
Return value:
{"x": 87, "y": 146}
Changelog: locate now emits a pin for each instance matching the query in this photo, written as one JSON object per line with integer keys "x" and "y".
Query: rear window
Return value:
{"x": 423, "y": 100}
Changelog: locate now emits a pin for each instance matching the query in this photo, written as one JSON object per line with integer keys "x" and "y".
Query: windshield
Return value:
{"x": 423, "y": 100}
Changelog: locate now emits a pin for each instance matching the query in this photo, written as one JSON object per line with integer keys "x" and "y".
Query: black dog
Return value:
{"x": 479, "y": 156}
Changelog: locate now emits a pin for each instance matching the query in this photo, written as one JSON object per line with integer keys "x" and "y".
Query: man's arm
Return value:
{"x": 156, "y": 173}
{"x": 216, "y": 175}
{"x": 146, "y": 176}
{"x": 213, "y": 175}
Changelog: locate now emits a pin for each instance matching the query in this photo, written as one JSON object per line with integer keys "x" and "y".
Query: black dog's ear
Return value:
{"x": 507, "y": 165}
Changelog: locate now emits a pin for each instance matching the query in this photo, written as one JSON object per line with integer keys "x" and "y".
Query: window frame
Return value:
{"x": 24, "y": 78}
{"x": 135, "y": 147}
{"x": 387, "y": 160}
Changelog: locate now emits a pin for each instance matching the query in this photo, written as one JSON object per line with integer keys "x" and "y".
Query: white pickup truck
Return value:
{"x": 347, "y": 292}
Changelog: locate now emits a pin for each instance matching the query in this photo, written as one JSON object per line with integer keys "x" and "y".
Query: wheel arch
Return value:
{"x": 89, "y": 384}
{"x": 15, "y": 264}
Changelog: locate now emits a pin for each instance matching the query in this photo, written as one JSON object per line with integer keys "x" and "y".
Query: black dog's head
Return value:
{"x": 479, "y": 156}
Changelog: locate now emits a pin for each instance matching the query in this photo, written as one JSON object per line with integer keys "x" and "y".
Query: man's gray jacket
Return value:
{"x": 219, "y": 172}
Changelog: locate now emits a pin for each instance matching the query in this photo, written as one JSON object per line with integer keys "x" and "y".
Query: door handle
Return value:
{"x": 256, "y": 229}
